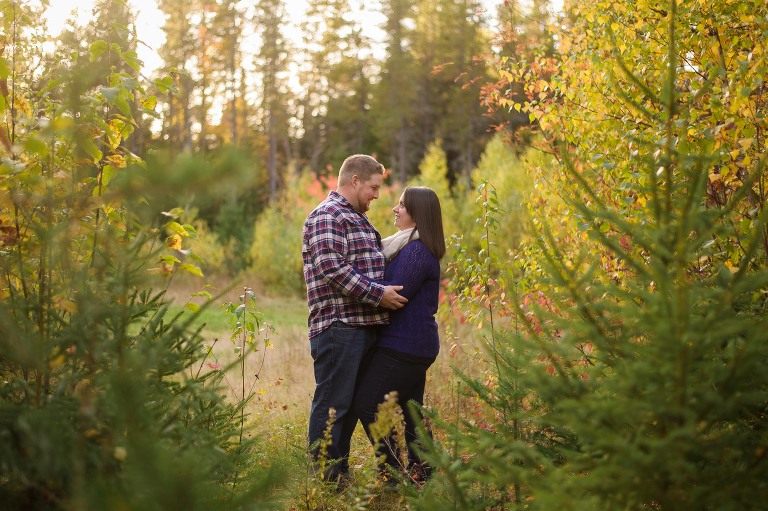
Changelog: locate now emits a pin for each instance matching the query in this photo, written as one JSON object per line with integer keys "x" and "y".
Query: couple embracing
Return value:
{"x": 372, "y": 303}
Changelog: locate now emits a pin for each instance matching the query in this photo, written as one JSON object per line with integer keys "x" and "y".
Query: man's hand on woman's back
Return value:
{"x": 391, "y": 299}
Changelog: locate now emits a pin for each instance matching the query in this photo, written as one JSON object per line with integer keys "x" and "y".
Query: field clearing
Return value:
{"x": 279, "y": 382}
{"x": 278, "y": 374}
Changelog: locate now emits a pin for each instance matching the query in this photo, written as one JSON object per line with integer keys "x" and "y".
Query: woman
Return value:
{"x": 409, "y": 344}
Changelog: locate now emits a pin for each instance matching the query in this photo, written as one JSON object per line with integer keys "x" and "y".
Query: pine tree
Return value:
{"x": 271, "y": 65}
{"x": 448, "y": 41}
{"x": 181, "y": 45}
{"x": 394, "y": 102}
{"x": 227, "y": 27}
{"x": 635, "y": 357}
{"x": 336, "y": 84}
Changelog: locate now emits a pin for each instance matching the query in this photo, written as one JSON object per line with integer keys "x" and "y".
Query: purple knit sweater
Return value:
{"x": 413, "y": 330}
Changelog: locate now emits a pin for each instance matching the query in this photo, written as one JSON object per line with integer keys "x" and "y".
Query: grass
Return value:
{"x": 280, "y": 382}
{"x": 278, "y": 373}
{"x": 281, "y": 311}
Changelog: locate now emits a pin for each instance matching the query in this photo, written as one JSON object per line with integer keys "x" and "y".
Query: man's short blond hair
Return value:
{"x": 360, "y": 165}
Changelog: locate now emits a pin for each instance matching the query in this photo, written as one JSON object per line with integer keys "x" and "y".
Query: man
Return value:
{"x": 343, "y": 261}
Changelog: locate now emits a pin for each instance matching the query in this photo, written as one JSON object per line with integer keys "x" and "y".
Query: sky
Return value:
{"x": 149, "y": 23}
{"x": 150, "y": 19}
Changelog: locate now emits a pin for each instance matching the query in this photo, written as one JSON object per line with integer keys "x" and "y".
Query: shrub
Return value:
{"x": 631, "y": 375}
{"x": 104, "y": 401}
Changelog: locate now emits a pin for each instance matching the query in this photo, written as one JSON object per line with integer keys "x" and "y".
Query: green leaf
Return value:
{"x": 150, "y": 102}
{"x": 170, "y": 259}
{"x": 110, "y": 94}
{"x": 191, "y": 231}
{"x": 107, "y": 173}
{"x": 5, "y": 70}
{"x": 91, "y": 149}
{"x": 175, "y": 227}
{"x": 123, "y": 106}
{"x": 150, "y": 113}
{"x": 97, "y": 48}
{"x": 36, "y": 145}
{"x": 132, "y": 60}
{"x": 164, "y": 84}
{"x": 191, "y": 268}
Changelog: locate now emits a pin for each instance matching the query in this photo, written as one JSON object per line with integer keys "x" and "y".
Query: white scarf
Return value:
{"x": 392, "y": 245}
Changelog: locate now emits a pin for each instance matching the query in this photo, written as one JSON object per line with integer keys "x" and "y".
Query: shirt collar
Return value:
{"x": 337, "y": 197}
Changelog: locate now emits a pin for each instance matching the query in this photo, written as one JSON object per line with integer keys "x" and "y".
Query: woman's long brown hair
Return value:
{"x": 423, "y": 205}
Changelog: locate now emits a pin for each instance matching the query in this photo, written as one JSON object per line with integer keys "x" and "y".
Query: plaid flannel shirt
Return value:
{"x": 342, "y": 258}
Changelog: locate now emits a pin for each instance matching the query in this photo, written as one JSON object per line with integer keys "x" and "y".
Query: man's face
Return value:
{"x": 367, "y": 191}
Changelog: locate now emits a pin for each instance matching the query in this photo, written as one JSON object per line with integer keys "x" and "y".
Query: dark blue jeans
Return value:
{"x": 383, "y": 372}
{"x": 337, "y": 353}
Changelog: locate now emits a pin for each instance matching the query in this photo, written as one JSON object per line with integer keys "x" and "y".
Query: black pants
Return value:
{"x": 382, "y": 372}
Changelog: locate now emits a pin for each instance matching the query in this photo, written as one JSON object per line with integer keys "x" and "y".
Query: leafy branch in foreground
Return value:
{"x": 100, "y": 406}
{"x": 644, "y": 363}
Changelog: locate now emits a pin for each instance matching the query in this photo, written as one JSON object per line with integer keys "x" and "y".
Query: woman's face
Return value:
{"x": 403, "y": 219}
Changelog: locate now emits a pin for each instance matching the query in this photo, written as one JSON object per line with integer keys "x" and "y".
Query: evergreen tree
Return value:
{"x": 271, "y": 66}
{"x": 448, "y": 41}
{"x": 181, "y": 45}
{"x": 348, "y": 120}
{"x": 98, "y": 55}
{"x": 21, "y": 43}
{"x": 227, "y": 70}
{"x": 631, "y": 372}
{"x": 336, "y": 88}
{"x": 394, "y": 102}
{"x": 104, "y": 401}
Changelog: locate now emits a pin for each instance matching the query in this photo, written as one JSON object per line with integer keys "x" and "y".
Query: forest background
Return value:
{"x": 602, "y": 176}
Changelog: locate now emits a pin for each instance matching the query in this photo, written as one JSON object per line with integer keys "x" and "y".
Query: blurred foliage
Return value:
{"x": 276, "y": 249}
{"x": 625, "y": 350}
{"x": 106, "y": 400}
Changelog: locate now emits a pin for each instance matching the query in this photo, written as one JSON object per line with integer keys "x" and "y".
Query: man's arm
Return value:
{"x": 327, "y": 248}
{"x": 391, "y": 299}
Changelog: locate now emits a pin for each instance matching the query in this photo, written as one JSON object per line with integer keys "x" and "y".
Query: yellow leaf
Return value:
{"x": 191, "y": 268}
{"x": 173, "y": 241}
{"x": 177, "y": 228}
{"x": 56, "y": 362}
{"x": 506, "y": 75}
{"x": 746, "y": 142}
{"x": 119, "y": 453}
{"x": 69, "y": 306}
{"x": 116, "y": 160}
